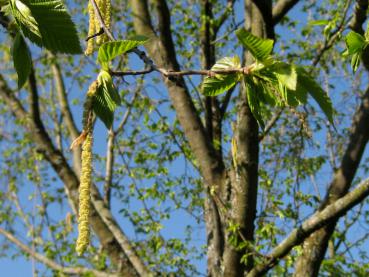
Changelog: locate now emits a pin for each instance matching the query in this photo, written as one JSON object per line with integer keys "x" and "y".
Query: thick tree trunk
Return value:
{"x": 244, "y": 186}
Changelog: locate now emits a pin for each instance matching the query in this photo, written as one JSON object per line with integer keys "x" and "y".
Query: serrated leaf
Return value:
{"x": 220, "y": 83}
{"x": 267, "y": 95}
{"x": 26, "y": 20}
{"x": 227, "y": 63}
{"x": 22, "y": 59}
{"x": 355, "y": 42}
{"x": 48, "y": 24}
{"x": 259, "y": 48}
{"x": 252, "y": 90}
{"x": 110, "y": 50}
{"x": 213, "y": 86}
{"x": 320, "y": 96}
{"x": 106, "y": 99}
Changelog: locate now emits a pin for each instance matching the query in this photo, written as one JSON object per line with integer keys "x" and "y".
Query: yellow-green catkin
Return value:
{"x": 84, "y": 196}
{"x": 85, "y": 183}
{"x": 105, "y": 10}
{"x": 91, "y": 29}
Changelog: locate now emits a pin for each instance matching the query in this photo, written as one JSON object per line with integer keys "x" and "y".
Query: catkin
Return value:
{"x": 91, "y": 29}
{"x": 83, "y": 239}
{"x": 104, "y": 7}
{"x": 84, "y": 196}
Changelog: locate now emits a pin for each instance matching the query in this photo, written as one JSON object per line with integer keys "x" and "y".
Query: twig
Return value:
{"x": 99, "y": 33}
{"x": 271, "y": 123}
{"x": 168, "y": 73}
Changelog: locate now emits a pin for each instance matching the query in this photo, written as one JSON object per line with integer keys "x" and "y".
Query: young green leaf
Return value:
{"x": 106, "y": 99}
{"x": 285, "y": 74}
{"x": 214, "y": 86}
{"x": 258, "y": 47}
{"x": 355, "y": 61}
{"x": 48, "y": 24}
{"x": 108, "y": 51}
{"x": 22, "y": 59}
{"x": 355, "y": 42}
{"x": 218, "y": 84}
{"x": 252, "y": 91}
{"x": 26, "y": 20}
{"x": 320, "y": 96}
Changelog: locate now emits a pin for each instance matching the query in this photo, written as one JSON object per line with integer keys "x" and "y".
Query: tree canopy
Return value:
{"x": 185, "y": 138}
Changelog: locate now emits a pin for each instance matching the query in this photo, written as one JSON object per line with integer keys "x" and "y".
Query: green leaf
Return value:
{"x": 110, "y": 50}
{"x": 48, "y": 24}
{"x": 355, "y": 42}
{"x": 227, "y": 63}
{"x": 252, "y": 90}
{"x": 213, "y": 86}
{"x": 26, "y": 20}
{"x": 106, "y": 99}
{"x": 22, "y": 59}
{"x": 259, "y": 48}
{"x": 286, "y": 74}
{"x": 320, "y": 96}
{"x": 220, "y": 83}
{"x": 318, "y": 22}
{"x": 355, "y": 61}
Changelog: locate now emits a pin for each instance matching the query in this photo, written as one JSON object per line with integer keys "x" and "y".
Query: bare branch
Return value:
{"x": 50, "y": 263}
{"x": 317, "y": 220}
{"x": 281, "y": 8}
{"x": 170, "y": 73}
{"x": 271, "y": 123}
{"x": 66, "y": 111}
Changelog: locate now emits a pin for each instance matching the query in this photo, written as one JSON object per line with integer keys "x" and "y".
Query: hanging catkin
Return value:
{"x": 84, "y": 196}
{"x": 86, "y": 169}
{"x": 104, "y": 7}
{"x": 91, "y": 29}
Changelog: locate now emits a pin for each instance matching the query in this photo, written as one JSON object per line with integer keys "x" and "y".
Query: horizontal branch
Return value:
{"x": 50, "y": 263}
{"x": 313, "y": 223}
{"x": 168, "y": 73}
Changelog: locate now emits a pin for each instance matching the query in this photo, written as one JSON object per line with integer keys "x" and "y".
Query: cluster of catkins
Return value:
{"x": 94, "y": 25}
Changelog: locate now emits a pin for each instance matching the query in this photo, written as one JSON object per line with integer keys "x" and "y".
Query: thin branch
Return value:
{"x": 50, "y": 263}
{"x": 65, "y": 110}
{"x": 168, "y": 73}
{"x": 316, "y": 221}
{"x": 334, "y": 35}
{"x": 124, "y": 242}
{"x": 271, "y": 123}
{"x": 99, "y": 33}
{"x": 225, "y": 102}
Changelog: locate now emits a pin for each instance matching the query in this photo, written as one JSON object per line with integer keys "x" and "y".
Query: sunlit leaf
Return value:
{"x": 259, "y": 48}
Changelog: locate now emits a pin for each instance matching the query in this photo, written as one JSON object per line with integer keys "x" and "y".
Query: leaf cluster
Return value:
{"x": 267, "y": 81}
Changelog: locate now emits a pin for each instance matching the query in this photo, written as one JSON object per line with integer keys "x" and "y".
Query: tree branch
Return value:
{"x": 67, "y": 175}
{"x": 360, "y": 15}
{"x": 281, "y": 8}
{"x": 163, "y": 52}
{"x": 65, "y": 110}
{"x": 50, "y": 263}
{"x": 319, "y": 219}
